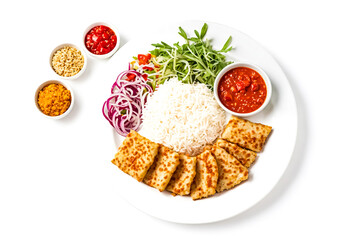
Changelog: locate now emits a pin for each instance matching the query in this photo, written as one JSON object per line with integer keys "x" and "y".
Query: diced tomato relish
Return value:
{"x": 242, "y": 90}
{"x": 100, "y": 40}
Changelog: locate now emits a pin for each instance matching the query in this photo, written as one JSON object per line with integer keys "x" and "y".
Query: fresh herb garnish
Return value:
{"x": 193, "y": 61}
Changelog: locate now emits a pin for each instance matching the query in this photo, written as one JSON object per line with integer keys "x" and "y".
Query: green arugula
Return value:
{"x": 193, "y": 61}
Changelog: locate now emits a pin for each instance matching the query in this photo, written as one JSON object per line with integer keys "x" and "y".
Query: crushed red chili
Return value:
{"x": 242, "y": 90}
{"x": 100, "y": 40}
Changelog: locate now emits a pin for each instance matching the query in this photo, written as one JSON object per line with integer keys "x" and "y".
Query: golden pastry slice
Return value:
{"x": 183, "y": 176}
{"x": 135, "y": 155}
{"x": 246, "y": 157}
{"x": 231, "y": 171}
{"x": 206, "y": 177}
{"x": 246, "y": 134}
{"x": 162, "y": 169}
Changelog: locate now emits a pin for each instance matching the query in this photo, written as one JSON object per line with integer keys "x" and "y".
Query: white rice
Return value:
{"x": 183, "y": 117}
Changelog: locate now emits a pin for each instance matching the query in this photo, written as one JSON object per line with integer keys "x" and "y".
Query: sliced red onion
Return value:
{"x": 123, "y": 109}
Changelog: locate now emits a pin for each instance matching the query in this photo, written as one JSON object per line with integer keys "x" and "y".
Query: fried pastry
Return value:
{"x": 206, "y": 177}
{"x": 231, "y": 171}
{"x": 246, "y": 157}
{"x": 246, "y": 134}
{"x": 135, "y": 155}
{"x": 162, "y": 169}
{"x": 180, "y": 183}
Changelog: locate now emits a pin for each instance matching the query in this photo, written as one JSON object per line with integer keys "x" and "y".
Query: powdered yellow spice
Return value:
{"x": 54, "y": 99}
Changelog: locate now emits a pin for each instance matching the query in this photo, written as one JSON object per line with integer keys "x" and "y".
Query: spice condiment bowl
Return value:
{"x": 41, "y": 87}
{"x": 250, "y": 66}
{"x": 78, "y": 73}
{"x": 106, "y": 55}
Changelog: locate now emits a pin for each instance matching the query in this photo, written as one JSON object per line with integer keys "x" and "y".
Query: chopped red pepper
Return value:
{"x": 141, "y": 59}
{"x": 246, "y": 81}
{"x": 227, "y": 96}
{"x": 130, "y": 77}
{"x": 240, "y": 85}
{"x": 148, "y": 68}
{"x": 145, "y": 76}
{"x": 254, "y": 87}
{"x": 144, "y": 59}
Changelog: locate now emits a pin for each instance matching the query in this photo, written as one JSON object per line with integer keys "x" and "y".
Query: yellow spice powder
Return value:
{"x": 54, "y": 99}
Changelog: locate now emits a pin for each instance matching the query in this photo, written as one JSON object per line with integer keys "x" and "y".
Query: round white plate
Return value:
{"x": 281, "y": 114}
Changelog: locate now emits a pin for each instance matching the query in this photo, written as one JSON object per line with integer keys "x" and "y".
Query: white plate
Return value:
{"x": 281, "y": 114}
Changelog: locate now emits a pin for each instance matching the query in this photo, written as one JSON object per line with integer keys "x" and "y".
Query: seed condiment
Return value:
{"x": 67, "y": 61}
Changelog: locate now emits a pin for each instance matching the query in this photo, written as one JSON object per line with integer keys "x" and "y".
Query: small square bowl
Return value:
{"x": 245, "y": 65}
{"x": 109, "y": 54}
{"x": 79, "y": 73}
{"x": 55, "y": 82}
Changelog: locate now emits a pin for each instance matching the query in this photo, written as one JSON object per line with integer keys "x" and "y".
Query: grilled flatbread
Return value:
{"x": 231, "y": 171}
{"x": 162, "y": 169}
{"x": 206, "y": 177}
{"x": 246, "y": 134}
{"x": 246, "y": 157}
{"x": 182, "y": 178}
{"x": 135, "y": 155}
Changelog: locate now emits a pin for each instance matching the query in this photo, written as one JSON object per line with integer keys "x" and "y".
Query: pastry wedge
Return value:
{"x": 135, "y": 155}
{"x": 246, "y": 157}
{"x": 180, "y": 183}
{"x": 231, "y": 171}
{"x": 206, "y": 177}
{"x": 246, "y": 134}
{"x": 162, "y": 169}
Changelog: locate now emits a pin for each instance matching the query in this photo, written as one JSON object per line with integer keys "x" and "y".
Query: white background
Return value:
{"x": 54, "y": 181}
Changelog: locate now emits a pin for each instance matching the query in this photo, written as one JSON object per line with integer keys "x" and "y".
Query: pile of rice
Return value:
{"x": 184, "y": 117}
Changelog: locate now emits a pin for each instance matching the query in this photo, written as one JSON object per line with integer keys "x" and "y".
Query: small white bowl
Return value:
{"x": 109, "y": 54}
{"x": 74, "y": 46}
{"x": 251, "y": 66}
{"x": 56, "y": 82}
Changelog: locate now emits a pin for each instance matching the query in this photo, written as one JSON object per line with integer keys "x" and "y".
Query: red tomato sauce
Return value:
{"x": 242, "y": 90}
{"x": 100, "y": 40}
